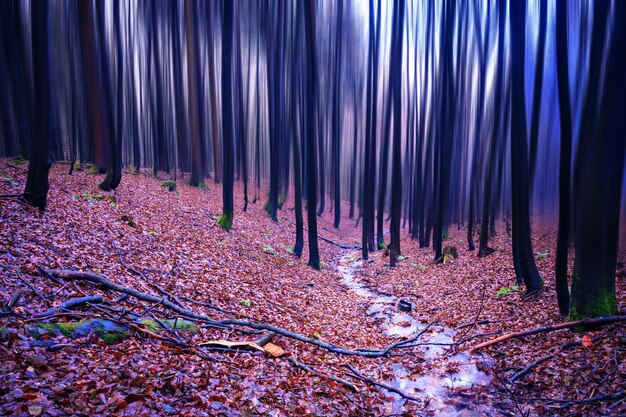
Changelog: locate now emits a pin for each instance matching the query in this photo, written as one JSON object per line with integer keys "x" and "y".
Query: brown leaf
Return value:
{"x": 274, "y": 350}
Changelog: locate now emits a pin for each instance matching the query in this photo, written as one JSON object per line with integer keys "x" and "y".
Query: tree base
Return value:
{"x": 226, "y": 221}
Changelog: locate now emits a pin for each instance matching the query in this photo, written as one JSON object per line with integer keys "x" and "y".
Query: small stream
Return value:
{"x": 444, "y": 372}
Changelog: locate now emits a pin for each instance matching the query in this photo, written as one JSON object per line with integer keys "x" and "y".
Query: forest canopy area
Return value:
{"x": 326, "y": 207}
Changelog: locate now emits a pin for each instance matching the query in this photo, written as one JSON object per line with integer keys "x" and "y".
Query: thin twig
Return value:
{"x": 310, "y": 370}
{"x": 356, "y": 374}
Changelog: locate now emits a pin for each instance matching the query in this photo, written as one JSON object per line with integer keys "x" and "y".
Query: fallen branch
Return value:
{"x": 310, "y": 370}
{"x": 32, "y": 288}
{"x": 163, "y": 290}
{"x": 478, "y": 322}
{"x": 585, "y": 322}
{"x": 99, "y": 280}
{"x": 70, "y": 304}
{"x": 356, "y": 374}
{"x": 15, "y": 298}
{"x": 605, "y": 397}
{"x": 530, "y": 367}
{"x": 550, "y": 355}
{"x": 153, "y": 284}
{"x": 342, "y": 246}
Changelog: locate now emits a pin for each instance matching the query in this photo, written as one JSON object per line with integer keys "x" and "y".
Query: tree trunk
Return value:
{"x": 523, "y": 256}
{"x": 565, "y": 113}
{"x": 226, "y": 220}
{"x": 36, "y": 190}
{"x": 310, "y": 120}
{"x": 598, "y": 195}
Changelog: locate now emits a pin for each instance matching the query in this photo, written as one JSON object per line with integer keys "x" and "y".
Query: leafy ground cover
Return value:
{"x": 157, "y": 241}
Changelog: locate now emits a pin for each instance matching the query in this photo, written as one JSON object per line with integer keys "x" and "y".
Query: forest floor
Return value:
{"x": 173, "y": 239}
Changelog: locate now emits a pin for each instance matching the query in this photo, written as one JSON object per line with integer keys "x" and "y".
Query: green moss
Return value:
{"x": 602, "y": 305}
{"x": 226, "y": 221}
{"x": 66, "y": 329}
{"x": 381, "y": 245}
{"x": 132, "y": 171}
{"x": 180, "y": 324}
{"x": 169, "y": 185}
{"x": 109, "y": 331}
{"x": 91, "y": 169}
{"x": 111, "y": 337}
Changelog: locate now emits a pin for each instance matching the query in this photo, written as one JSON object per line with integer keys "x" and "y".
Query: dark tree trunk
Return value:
{"x": 355, "y": 152}
{"x": 446, "y": 131}
{"x": 181, "y": 125}
{"x": 337, "y": 115}
{"x": 396, "y": 165}
{"x": 96, "y": 108}
{"x": 598, "y": 195}
{"x": 226, "y": 220}
{"x": 196, "y": 177}
{"x": 293, "y": 122}
{"x": 114, "y": 171}
{"x": 565, "y": 112}
{"x": 160, "y": 161}
{"x": 310, "y": 120}
{"x": 36, "y": 190}
{"x": 523, "y": 257}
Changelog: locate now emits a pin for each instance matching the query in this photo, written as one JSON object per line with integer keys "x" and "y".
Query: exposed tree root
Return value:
{"x": 70, "y": 304}
{"x": 99, "y": 280}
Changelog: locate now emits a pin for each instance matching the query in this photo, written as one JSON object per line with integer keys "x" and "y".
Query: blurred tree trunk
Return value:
{"x": 226, "y": 220}
{"x": 36, "y": 190}
{"x": 523, "y": 256}
{"x": 310, "y": 121}
{"x": 565, "y": 113}
{"x": 597, "y": 195}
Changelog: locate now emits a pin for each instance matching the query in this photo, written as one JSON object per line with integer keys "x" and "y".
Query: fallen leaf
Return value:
{"x": 274, "y": 350}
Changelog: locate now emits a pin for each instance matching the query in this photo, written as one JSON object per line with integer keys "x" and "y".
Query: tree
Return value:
{"x": 523, "y": 256}
{"x": 337, "y": 113}
{"x": 114, "y": 171}
{"x": 396, "y": 176}
{"x": 293, "y": 122}
{"x": 445, "y": 129}
{"x": 565, "y": 113}
{"x": 474, "y": 177}
{"x": 597, "y": 195}
{"x": 192, "y": 81}
{"x": 369, "y": 162}
{"x": 226, "y": 220}
{"x": 483, "y": 245}
{"x": 36, "y": 190}
{"x": 310, "y": 121}
{"x": 536, "y": 109}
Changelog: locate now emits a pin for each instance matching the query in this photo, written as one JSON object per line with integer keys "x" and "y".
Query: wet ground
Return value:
{"x": 447, "y": 370}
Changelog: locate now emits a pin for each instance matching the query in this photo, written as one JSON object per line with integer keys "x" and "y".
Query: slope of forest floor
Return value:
{"x": 174, "y": 240}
